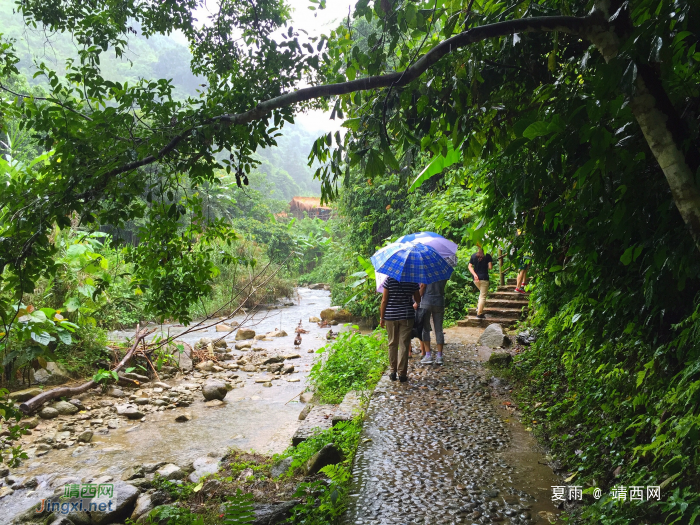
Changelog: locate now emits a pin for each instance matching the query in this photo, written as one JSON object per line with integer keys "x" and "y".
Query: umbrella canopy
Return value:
{"x": 446, "y": 248}
{"x": 410, "y": 262}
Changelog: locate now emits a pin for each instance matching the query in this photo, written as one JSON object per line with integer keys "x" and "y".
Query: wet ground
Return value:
{"x": 252, "y": 416}
{"x": 441, "y": 450}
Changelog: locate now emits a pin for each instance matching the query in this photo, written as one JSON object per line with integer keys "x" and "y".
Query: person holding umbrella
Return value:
{"x": 406, "y": 265}
{"x": 397, "y": 316}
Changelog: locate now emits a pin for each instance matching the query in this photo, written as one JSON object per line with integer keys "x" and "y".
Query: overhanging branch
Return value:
{"x": 582, "y": 26}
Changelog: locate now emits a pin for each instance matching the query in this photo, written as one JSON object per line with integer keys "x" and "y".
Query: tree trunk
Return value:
{"x": 663, "y": 129}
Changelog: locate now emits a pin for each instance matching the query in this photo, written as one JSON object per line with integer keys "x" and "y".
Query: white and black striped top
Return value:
{"x": 400, "y": 304}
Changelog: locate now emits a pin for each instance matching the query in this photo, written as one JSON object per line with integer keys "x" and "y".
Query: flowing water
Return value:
{"x": 252, "y": 417}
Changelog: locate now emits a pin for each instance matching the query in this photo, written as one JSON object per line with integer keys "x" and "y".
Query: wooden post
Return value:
{"x": 500, "y": 267}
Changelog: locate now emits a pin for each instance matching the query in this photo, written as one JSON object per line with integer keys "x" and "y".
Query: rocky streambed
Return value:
{"x": 178, "y": 425}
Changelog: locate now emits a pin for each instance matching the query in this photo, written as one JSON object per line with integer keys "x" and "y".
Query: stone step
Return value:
{"x": 503, "y": 313}
{"x": 483, "y": 323}
{"x": 509, "y": 295}
{"x": 320, "y": 418}
{"x": 505, "y": 303}
{"x": 511, "y": 281}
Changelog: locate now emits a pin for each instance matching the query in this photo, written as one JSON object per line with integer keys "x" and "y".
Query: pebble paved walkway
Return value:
{"x": 434, "y": 451}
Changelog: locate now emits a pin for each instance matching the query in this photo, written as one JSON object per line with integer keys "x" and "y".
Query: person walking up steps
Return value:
{"x": 479, "y": 266}
{"x": 433, "y": 305}
{"x": 397, "y": 315}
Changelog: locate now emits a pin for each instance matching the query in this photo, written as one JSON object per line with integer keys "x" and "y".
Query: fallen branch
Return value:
{"x": 31, "y": 405}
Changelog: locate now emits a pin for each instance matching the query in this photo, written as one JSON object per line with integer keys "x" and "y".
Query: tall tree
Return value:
{"x": 422, "y": 64}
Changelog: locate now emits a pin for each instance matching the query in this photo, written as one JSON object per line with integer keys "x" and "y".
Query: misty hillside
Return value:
{"x": 155, "y": 57}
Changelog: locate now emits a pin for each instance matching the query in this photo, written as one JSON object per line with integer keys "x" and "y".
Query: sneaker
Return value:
{"x": 392, "y": 376}
{"x": 520, "y": 290}
{"x": 481, "y": 316}
{"x": 438, "y": 360}
{"x": 427, "y": 360}
{"x": 403, "y": 379}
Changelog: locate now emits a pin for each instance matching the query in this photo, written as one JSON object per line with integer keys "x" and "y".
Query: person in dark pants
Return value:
{"x": 479, "y": 266}
{"x": 397, "y": 315}
{"x": 433, "y": 306}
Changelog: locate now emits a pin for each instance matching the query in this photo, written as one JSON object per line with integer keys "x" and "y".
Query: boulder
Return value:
{"x": 273, "y": 359}
{"x": 170, "y": 471}
{"x": 500, "y": 359}
{"x": 224, "y": 328}
{"x": 243, "y": 346}
{"x": 205, "y": 366}
{"x": 314, "y": 319}
{"x": 214, "y": 390}
{"x": 492, "y": 336}
{"x": 25, "y": 395}
{"x": 281, "y": 467}
{"x": 342, "y": 316}
{"x": 32, "y": 422}
{"x": 244, "y": 334}
{"x": 220, "y": 343}
{"x": 141, "y": 401}
{"x": 276, "y": 333}
{"x": 287, "y": 369}
{"x": 305, "y": 411}
{"x": 272, "y": 513}
{"x": 327, "y": 314}
{"x": 150, "y": 468}
{"x": 305, "y": 397}
{"x": 328, "y": 455}
{"x": 48, "y": 413}
{"x": 184, "y": 417}
{"x": 134, "y": 473}
{"x": 53, "y": 374}
{"x": 129, "y": 411}
{"x": 316, "y": 286}
{"x": 65, "y": 408}
{"x": 116, "y": 392}
{"x": 202, "y": 343}
{"x": 203, "y": 466}
{"x": 214, "y": 403}
{"x": 123, "y": 504}
{"x": 144, "y": 505}
{"x": 526, "y": 338}
{"x": 292, "y": 356}
{"x": 85, "y": 437}
{"x": 160, "y": 384}
{"x": 78, "y": 403}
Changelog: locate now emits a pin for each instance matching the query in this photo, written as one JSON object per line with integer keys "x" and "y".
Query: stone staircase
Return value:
{"x": 505, "y": 306}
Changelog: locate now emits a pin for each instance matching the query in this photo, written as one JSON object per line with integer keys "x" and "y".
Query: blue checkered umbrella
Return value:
{"x": 410, "y": 262}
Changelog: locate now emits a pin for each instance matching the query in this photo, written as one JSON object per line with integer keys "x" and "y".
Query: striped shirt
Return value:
{"x": 400, "y": 304}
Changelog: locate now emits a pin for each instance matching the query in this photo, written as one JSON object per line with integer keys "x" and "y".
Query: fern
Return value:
{"x": 239, "y": 509}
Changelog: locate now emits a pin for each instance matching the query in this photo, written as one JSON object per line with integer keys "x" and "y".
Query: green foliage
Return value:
{"x": 172, "y": 515}
{"x": 239, "y": 509}
{"x": 352, "y": 362}
{"x": 324, "y": 502}
{"x": 11, "y": 430}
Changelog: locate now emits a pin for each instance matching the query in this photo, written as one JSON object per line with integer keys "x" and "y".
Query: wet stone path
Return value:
{"x": 437, "y": 450}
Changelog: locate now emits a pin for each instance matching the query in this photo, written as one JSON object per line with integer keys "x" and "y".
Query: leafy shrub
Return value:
{"x": 352, "y": 362}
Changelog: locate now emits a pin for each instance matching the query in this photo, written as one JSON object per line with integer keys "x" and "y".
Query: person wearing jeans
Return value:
{"x": 479, "y": 266}
{"x": 433, "y": 306}
{"x": 397, "y": 316}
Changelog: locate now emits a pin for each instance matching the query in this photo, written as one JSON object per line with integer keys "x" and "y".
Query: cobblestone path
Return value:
{"x": 436, "y": 450}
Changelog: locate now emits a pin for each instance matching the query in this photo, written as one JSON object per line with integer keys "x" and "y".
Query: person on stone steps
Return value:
{"x": 479, "y": 266}
{"x": 396, "y": 313}
{"x": 433, "y": 306}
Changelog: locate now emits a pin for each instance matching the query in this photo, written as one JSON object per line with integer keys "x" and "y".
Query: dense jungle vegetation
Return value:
{"x": 567, "y": 130}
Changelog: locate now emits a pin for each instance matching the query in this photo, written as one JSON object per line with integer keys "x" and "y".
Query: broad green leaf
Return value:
{"x": 43, "y": 338}
{"x": 626, "y": 257}
{"x": 537, "y": 129}
{"x": 65, "y": 337}
{"x": 437, "y": 165}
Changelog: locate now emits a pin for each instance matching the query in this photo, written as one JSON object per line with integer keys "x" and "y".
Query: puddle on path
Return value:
{"x": 252, "y": 417}
{"x": 437, "y": 451}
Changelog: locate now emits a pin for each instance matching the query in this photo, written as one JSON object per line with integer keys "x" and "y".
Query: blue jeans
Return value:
{"x": 438, "y": 315}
